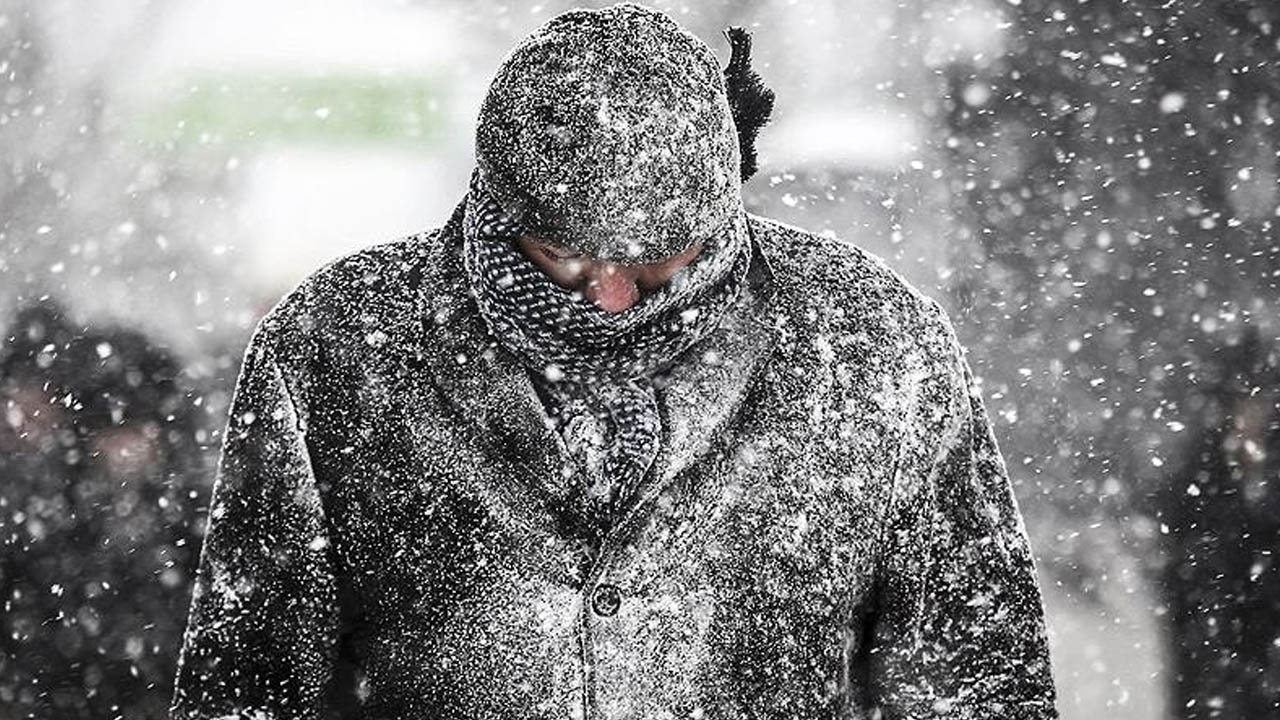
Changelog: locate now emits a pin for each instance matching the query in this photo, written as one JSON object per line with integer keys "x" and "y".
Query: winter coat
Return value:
{"x": 828, "y": 532}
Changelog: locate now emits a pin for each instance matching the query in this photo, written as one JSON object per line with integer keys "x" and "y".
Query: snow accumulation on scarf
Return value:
{"x": 613, "y": 133}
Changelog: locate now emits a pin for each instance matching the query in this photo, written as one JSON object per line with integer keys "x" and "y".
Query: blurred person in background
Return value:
{"x": 98, "y": 525}
{"x": 607, "y": 446}
{"x": 1221, "y": 517}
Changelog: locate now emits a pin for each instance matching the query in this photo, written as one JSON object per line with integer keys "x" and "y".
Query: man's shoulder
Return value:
{"x": 830, "y": 285}
{"x": 369, "y": 296}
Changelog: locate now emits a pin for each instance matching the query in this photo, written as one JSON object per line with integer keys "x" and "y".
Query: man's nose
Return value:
{"x": 612, "y": 287}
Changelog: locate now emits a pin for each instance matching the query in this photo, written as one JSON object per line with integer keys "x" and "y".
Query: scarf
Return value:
{"x": 594, "y": 370}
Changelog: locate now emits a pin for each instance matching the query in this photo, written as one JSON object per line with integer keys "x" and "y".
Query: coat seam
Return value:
{"x": 946, "y": 443}
{"x": 886, "y": 521}
{"x": 334, "y": 647}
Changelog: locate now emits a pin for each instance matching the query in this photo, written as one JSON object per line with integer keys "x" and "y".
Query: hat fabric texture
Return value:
{"x": 611, "y": 131}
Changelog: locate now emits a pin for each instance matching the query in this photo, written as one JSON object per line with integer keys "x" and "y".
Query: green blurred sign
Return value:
{"x": 238, "y": 109}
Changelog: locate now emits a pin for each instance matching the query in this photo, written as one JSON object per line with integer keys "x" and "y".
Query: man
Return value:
{"x": 606, "y": 446}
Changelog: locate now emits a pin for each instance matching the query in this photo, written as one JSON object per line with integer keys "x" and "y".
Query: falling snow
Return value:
{"x": 988, "y": 426}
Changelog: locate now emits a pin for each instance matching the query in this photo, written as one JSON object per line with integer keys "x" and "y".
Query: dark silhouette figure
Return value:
{"x": 98, "y": 509}
{"x": 1222, "y": 510}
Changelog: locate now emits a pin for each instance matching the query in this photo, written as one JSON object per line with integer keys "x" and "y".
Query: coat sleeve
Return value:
{"x": 261, "y": 633}
{"x": 959, "y": 631}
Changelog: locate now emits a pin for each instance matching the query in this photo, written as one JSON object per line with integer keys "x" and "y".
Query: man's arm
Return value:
{"x": 960, "y": 631}
{"x": 261, "y": 633}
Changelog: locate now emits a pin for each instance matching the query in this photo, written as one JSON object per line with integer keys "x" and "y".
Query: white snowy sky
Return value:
{"x": 303, "y": 203}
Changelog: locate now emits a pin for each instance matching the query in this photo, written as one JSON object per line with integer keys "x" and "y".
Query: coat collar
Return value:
{"x": 493, "y": 393}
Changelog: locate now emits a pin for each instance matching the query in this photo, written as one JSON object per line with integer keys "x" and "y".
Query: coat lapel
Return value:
{"x": 486, "y": 385}
{"x": 699, "y": 398}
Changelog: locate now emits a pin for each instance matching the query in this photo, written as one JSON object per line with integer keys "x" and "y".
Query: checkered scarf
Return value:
{"x": 595, "y": 370}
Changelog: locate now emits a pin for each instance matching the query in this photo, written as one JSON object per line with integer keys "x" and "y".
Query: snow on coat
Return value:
{"x": 829, "y": 531}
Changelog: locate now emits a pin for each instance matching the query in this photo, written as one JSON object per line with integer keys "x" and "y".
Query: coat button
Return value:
{"x": 606, "y": 600}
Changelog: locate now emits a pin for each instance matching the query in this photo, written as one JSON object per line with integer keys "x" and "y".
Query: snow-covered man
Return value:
{"x": 607, "y": 446}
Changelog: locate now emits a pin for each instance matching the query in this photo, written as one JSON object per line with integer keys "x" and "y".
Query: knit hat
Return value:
{"x": 612, "y": 133}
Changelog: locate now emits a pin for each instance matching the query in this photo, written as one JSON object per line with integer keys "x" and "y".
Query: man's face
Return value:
{"x": 613, "y": 287}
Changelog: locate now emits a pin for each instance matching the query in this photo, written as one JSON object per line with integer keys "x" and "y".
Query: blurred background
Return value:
{"x": 1090, "y": 188}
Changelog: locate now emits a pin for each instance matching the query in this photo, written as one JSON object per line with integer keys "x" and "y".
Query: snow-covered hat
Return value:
{"x": 611, "y": 133}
